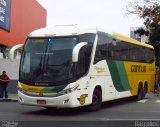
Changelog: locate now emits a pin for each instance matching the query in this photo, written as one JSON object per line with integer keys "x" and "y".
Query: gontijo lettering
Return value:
{"x": 138, "y": 68}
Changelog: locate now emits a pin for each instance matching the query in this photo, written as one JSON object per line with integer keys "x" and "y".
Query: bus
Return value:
{"x": 67, "y": 67}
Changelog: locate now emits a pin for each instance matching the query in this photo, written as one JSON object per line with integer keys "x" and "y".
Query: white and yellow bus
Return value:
{"x": 71, "y": 67}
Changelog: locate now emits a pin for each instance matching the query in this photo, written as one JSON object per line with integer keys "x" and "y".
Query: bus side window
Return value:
{"x": 88, "y": 51}
{"x": 84, "y": 60}
{"x": 101, "y": 50}
{"x": 149, "y": 55}
{"x": 112, "y": 49}
{"x": 81, "y": 63}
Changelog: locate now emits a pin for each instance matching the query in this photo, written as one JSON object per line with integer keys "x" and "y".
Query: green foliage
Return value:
{"x": 149, "y": 10}
{"x": 141, "y": 32}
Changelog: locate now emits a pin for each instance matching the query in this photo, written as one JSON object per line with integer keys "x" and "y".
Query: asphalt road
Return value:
{"x": 121, "y": 110}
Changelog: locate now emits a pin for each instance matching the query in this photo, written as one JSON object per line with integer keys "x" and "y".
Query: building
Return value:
{"x": 135, "y": 36}
{"x": 17, "y": 19}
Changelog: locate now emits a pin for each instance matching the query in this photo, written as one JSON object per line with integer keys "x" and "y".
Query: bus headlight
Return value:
{"x": 19, "y": 87}
{"x": 66, "y": 91}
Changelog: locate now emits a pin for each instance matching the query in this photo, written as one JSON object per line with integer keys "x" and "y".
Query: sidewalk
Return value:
{"x": 11, "y": 98}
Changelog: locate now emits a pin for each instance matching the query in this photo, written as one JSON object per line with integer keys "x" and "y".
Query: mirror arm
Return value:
{"x": 11, "y": 53}
{"x": 76, "y": 50}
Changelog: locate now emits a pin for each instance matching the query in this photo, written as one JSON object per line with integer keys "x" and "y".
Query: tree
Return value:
{"x": 149, "y": 10}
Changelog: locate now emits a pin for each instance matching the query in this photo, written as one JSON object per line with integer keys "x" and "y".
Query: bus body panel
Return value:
{"x": 61, "y": 101}
{"x": 67, "y": 100}
{"x": 116, "y": 78}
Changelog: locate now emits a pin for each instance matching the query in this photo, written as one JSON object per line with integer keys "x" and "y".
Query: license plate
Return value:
{"x": 41, "y": 101}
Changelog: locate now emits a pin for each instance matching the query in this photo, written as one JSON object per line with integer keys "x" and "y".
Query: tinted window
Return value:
{"x": 149, "y": 55}
{"x": 88, "y": 37}
{"x": 110, "y": 48}
{"x": 102, "y": 47}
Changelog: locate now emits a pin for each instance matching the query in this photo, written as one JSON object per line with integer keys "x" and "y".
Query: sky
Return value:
{"x": 107, "y": 14}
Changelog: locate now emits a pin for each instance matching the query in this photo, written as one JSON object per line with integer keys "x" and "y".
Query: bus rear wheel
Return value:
{"x": 96, "y": 101}
{"x": 140, "y": 93}
{"x": 145, "y": 90}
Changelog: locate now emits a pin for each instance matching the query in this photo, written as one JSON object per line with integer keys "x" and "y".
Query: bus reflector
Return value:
{"x": 41, "y": 101}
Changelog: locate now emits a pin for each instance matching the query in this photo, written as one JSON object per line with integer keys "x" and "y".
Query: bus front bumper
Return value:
{"x": 64, "y": 101}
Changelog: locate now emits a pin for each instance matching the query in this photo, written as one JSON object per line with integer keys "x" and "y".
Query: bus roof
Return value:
{"x": 130, "y": 40}
{"x": 61, "y": 31}
{"x": 74, "y": 30}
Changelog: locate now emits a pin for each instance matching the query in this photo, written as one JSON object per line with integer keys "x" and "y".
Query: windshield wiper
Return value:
{"x": 38, "y": 71}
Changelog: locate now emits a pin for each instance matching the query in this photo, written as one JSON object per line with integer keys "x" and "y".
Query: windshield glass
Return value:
{"x": 47, "y": 60}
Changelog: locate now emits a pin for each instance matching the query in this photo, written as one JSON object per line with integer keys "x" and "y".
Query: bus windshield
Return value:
{"x": 47, "y": 60}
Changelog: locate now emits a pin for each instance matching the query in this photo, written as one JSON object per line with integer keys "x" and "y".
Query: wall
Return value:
{"x": 12, "y": 69}
{"x": 26, "y": 16}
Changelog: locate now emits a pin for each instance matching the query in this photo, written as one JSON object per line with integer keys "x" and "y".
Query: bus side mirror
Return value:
{"x": 13, "y": 49}
{"x": 76, "y": 50}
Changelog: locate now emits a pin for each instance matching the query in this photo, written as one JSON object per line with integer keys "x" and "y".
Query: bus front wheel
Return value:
{"x": 96, "y": 101}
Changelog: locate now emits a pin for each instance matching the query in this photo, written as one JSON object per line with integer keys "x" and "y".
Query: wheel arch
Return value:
{"x": 139, "y": 91}
{"x": 140, "y": 85}
{"x": 96, "y": 86}
{"x": 96, "y": 99}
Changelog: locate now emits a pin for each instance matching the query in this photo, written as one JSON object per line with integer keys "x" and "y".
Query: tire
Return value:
{"x": 96, "y": 101}
{"x": 50, "y": 108}
{"x": 139, "y": 94}
{"x": 144, "y": 92}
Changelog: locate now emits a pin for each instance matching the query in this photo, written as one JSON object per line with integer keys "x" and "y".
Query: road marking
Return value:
{"x": 143, "y": 101}
{"x": 157, "y": 101}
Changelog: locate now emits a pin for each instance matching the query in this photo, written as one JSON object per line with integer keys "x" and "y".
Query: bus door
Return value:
{"x": 109, "y": 88}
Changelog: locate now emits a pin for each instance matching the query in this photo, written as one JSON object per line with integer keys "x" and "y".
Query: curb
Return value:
{"x": 8, "y": 100}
